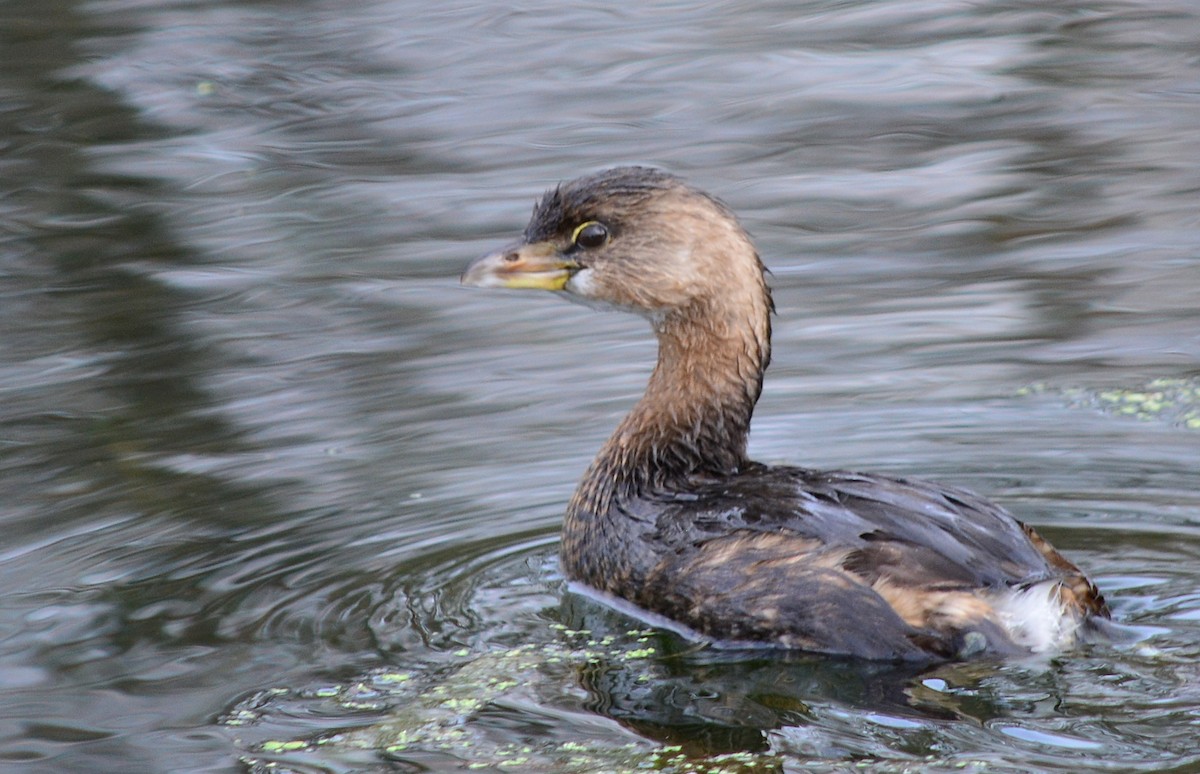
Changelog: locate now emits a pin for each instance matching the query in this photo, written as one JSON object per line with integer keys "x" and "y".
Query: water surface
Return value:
{"x": 277, "y": 494}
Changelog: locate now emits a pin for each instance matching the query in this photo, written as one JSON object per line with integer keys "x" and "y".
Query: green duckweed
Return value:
{"x": 1175, "y": 401}
{"x": 437, "y": 712}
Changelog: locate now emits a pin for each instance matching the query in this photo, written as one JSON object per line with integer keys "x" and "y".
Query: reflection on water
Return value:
{"x": 259, "y": 452}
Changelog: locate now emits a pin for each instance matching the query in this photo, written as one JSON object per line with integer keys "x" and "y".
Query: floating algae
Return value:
{"x": 1174, "y": 401}
{"x": 455, "y": 716}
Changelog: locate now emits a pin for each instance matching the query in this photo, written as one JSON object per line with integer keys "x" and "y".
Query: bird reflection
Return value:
{"x": 715, "y": 702}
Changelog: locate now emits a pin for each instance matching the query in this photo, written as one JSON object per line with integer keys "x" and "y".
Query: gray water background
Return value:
{"x": 257, "y": 446}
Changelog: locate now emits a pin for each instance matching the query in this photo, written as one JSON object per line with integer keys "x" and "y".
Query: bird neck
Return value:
{"x": 694, "y": 418}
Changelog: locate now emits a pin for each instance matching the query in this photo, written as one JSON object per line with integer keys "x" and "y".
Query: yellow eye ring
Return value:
{"x": 590, "y": 234}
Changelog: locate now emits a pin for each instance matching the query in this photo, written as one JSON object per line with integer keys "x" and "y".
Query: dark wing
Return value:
{"x": 911, "y": 533}
{"x": 863, "y": 565}
{"x": 751, "y": 586}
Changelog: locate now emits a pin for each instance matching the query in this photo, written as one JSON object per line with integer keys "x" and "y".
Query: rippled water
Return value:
{"x": 278, "y": 495}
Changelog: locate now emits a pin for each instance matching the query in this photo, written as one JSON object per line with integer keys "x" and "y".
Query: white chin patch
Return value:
{"x": 581, "y": 283}
{"x": 581, "y": 288}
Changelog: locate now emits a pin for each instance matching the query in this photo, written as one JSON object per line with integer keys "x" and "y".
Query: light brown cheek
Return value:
{"x": 652, "y": 291}
{"x": 601, "y": 287}
{"x": 669, "y": 286}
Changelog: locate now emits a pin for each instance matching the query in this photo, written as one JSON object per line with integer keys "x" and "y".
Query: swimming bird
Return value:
{"x": 673, "y": 517}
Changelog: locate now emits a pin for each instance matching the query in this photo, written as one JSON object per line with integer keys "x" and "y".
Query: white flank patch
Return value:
{"x": 1036, "y": 618}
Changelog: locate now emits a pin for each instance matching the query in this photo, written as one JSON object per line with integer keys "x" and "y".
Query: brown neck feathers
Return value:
{"x": 694, "y": 418}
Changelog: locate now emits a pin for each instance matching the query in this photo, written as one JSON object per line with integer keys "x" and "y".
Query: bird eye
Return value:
{"x": 591, "y": 234}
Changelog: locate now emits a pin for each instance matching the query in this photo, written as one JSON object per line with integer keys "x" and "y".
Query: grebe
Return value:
{"x": 672, "y": 515}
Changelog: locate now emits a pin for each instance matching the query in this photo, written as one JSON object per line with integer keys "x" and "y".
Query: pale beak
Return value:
{"x": 537, "y": 266}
